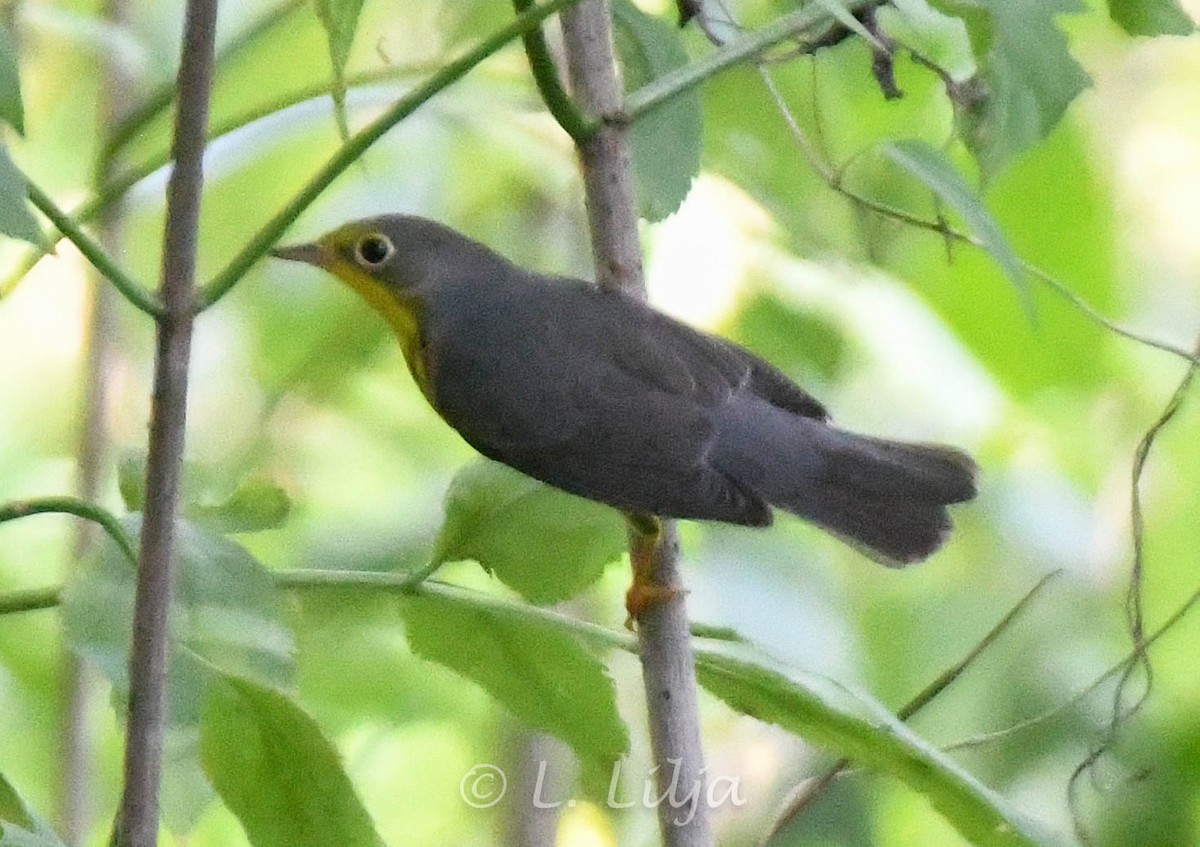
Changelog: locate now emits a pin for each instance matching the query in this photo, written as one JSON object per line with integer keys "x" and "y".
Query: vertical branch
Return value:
{"x": 668, "y": 669}
{"x": 137, "y": 821}
{"x": 78, "y": 688}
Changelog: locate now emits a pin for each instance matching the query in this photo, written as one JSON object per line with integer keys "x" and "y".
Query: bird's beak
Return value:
{"x": 311, "y": 254}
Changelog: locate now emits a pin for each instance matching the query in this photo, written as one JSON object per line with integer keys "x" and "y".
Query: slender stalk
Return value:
{"x": 545, "y": 75}
{"x": 352, "y": 151}
{"x": 94, "y": 253}
{"x": 137, "y": 821}
{"x": 668, "y": 667}
{"x": 30, "y": 600}
{"x": 808, "y": 792}
{"x": 72, "y": 506}
{"x": 751, "y": 46}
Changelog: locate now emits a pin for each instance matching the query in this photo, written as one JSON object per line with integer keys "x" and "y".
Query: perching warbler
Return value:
{"x": 599, "y": 394}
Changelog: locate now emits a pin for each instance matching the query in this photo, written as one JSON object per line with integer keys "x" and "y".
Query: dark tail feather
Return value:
{"x": 885, "y": 498}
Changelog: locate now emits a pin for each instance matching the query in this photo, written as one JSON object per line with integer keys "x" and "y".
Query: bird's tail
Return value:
{"x": 888, "y": 499}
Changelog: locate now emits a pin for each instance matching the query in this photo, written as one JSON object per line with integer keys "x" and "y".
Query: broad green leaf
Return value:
{"x": 11, "y": 110}
{"x": 538, "y": 671}
{"x": 540, "y": 541}
{"x": 276, "y": 771}
{"x": 16, "y": 218}
{"x": 824, "y": 712}
{"x": 340, "y": 19}
{"x": 1028, "y": 79}
{"x": 975, "y": 17}
{"x": 19, "y": 826}
{"x": 1151, "y": 17}
{"x": 255, "y": 505}
{"x": 667, "y": 141}
{"x": 942, "y": 38}
{"x": 226, "y": 615}
{"x": 937, "y": 172}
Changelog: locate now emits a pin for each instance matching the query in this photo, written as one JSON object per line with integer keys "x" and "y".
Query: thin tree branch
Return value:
{"x": 751, "y": 46}
{"x": 668, "y": 667}
{"x": 138, "y": 818}
{"x": 352, "y": 151}
{"x": 808, "y": 792}
{"x": 834, "y": 178}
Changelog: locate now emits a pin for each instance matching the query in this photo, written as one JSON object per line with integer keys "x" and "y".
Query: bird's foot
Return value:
{"x": 645, "y": 593}
{"x": 643, "y": 596}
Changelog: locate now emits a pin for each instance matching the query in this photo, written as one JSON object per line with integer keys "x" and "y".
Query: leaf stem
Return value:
{"x": 660, "y": 90}
{"x": 72, "y": 506}
{"x": 545, "y": 75}
{"x": 350, "y": 152}
{"x": 30, "y": 600}
{"x": 94, "y": 253}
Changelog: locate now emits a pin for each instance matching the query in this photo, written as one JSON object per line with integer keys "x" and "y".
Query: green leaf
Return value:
{"x": 226, "y": 615}
{"x": 667, "y": 141}
{"x": 794, "y": 340}
{"x": 16, "y": 219}
{"x": 944, "y": 39}
{"x": 276, "y": 771}
{"x": 255, "y": 505}
{"x": 1028, "y": 79}
{"x": 937, "y": 172}
{"x": 824, "y": 712}
{"x": 540, "y": 541}
{"x": 975, "y": 17}
{"x": 11, "y": 109}
{"x": 340, "y": 19}
{"x": 19, "y": 826}
{"x": 1151, "y": 17}
{"x": 538, "y": 671}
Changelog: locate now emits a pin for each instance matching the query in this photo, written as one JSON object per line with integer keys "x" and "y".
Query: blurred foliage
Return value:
{"x": 306, "y": 430}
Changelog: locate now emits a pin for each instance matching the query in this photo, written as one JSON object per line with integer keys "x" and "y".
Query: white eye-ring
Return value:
{"x": 373, "y": 250}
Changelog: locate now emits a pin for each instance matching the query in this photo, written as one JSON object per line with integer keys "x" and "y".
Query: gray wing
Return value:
{"x": 599, "y": 395}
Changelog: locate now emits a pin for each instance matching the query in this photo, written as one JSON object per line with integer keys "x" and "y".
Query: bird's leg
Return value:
{"x": 645, "y": 536}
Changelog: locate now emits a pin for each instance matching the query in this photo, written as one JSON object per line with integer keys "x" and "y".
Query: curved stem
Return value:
{"x": 660, "y": 90}
{"x": 30, "y": 600}
{"x": 545, "y": 75}
{"x": 72, "y": 506}
{"x": 114, "y": 188}
{"x": 263, "y": 240}
{"x": 94, "y": 253}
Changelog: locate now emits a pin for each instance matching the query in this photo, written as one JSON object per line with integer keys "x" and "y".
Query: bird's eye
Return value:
{"x": 373, "y": 250}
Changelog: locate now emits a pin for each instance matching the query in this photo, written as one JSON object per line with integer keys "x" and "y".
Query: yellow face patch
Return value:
{"x": 402, "y": 313}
